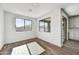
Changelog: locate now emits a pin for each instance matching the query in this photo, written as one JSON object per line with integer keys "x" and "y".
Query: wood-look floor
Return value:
{"x": 72, "y": 45}
{"x": 51, "y": 49}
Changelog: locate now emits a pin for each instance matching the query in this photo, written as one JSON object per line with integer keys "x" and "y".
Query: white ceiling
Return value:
{"x": 42, "y": 8}
{"x": 72, "y": 9}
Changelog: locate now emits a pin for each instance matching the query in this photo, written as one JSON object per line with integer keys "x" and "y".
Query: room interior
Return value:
{"x": 39, "y": 29}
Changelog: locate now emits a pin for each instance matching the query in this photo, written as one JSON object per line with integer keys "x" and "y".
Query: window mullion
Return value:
{"x": 24, "y": 24}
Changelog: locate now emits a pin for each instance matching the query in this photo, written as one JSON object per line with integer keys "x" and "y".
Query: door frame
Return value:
{"x": 67, "y": 35}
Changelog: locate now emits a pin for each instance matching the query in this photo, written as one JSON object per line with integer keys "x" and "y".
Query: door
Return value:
{"x": 64, "y": 29}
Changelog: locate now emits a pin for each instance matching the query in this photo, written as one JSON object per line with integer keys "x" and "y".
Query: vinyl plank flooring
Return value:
{"x": 51, "y": 49}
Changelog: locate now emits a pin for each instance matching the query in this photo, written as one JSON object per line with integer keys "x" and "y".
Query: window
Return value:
{"x": 23, "y": 25}
{"x": 44, "y": 26}
{"x": 41, "y": 26}
{"x": 19, "y": 25}
{"x": 28, "y": 25}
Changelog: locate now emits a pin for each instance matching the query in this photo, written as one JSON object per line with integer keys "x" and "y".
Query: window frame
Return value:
{"x": 44, "y": 25}
{"x": 24, "y": 24}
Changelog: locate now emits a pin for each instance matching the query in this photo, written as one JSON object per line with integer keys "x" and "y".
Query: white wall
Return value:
{"x": 10, "y": 33}
{"x": 54, "y": 36}
{"x": 1, "y": 27}
{"x": 74, "y": 28}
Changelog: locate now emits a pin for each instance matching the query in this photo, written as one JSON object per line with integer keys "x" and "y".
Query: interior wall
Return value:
{"x": 74, "y": 28}
{"x": 10, "y": 32}
{"x": 54, "y": 36}
{"x": 1, "y": 27}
